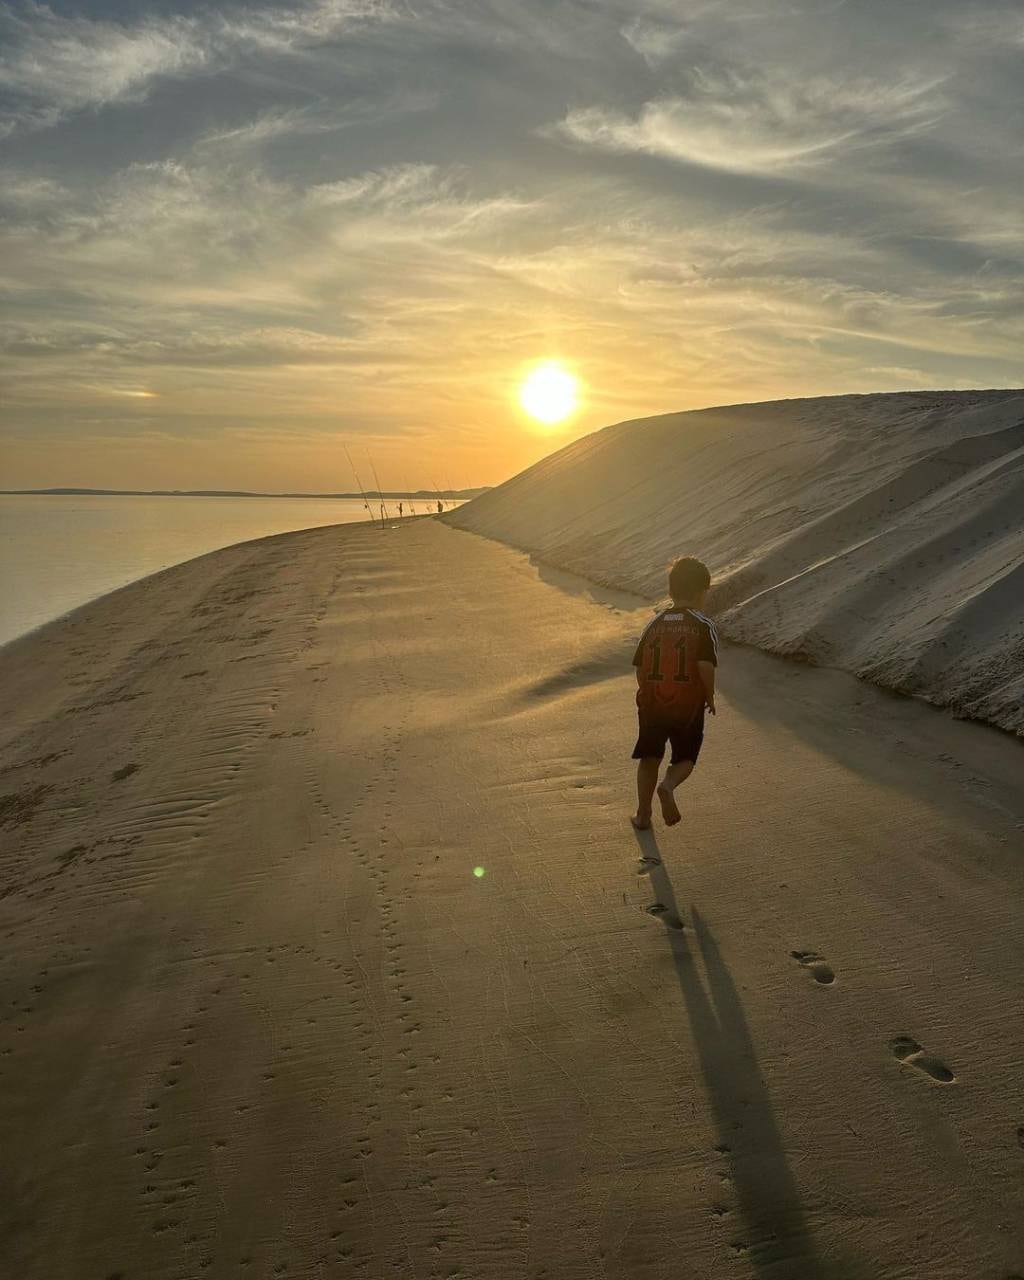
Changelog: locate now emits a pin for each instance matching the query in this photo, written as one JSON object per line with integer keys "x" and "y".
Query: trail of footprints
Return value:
{"x": 383, "y": 791}
{"x": 377, "y": 867}
{"x": 416, "y": 1071}
{"x": 171, "y": 1180}
{"x": 904, "y": 1048}
{"x": 168, "y": 1178}
{"x": 171, "y": 1176}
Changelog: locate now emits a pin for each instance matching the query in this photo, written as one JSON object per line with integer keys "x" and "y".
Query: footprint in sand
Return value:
{"x": 820, "y": 971}
{"x": 662, "y": 913}
{"x": 909, "y": 1051}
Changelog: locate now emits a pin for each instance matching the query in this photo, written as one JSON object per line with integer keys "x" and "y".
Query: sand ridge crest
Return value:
{"x": 880, "y": 534}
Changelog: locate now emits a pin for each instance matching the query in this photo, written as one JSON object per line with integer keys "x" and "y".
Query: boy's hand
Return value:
{"x": 707, "y": 678}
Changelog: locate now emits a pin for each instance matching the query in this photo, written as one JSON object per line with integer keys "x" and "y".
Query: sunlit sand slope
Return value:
{"x": 881, "y": 534}
{"x": 260, "y": 1018}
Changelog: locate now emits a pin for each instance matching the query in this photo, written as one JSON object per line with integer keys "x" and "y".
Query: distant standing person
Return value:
{"x": 675, "y": 663}
{"x": 440, "y": 506}
{"x": 399, "y": 511}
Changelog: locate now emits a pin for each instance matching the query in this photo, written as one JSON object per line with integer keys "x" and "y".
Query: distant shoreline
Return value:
{"x": 421, "y": 494}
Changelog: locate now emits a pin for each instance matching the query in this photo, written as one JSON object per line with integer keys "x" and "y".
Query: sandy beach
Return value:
{"x": 327, "y": 950}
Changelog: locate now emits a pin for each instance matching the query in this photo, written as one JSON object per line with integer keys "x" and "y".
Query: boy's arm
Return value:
{"x": 707, "y": 679}
{"x": 638, "y": 657}
{"x": 707, "y": 661}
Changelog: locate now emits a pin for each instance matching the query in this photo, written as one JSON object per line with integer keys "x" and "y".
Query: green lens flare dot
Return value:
{"x": 478, "y": 872}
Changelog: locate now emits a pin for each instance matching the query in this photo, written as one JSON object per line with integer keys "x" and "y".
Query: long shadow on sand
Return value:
{"x": 619, "y": 601}
{"x": 889, "y": 739}
{"x": 759, "y": 1208}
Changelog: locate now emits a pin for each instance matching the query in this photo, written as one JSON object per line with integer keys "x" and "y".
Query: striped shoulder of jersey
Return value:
{"x": 657, "y": 618}
{"x": 712, "y": 630}
{"x": 672, "y": 616}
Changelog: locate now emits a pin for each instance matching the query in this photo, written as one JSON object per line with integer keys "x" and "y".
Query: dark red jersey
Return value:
{"x": 670, "y": 647}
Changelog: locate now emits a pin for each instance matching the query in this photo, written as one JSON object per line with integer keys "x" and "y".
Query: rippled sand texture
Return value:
{"x": 326, "y": 946}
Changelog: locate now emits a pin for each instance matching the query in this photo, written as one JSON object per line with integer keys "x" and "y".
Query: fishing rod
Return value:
{"x": 366, "y": 501}
{"x": 380, "y": 493}
{"x": 408, "y": 493}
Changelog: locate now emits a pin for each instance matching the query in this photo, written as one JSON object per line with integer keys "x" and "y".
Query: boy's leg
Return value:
{"x": 646, "y": 780}
{"x": 674, "y": 774}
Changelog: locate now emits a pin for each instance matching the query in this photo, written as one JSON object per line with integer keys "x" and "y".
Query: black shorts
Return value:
{"x": 686, "y": 737}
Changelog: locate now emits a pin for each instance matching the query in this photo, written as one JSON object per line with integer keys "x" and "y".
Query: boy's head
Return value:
{"x": 688, "y": 581}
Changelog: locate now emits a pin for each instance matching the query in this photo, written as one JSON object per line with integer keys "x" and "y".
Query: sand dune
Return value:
{"x": 880, "y": 534}
{"x": 260, "y": 1018}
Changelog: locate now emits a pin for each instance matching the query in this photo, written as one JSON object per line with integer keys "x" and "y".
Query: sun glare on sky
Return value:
{"x": 549, "y": 393}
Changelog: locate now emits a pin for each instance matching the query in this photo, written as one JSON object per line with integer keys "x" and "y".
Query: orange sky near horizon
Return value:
{"x": 461, "y": 437}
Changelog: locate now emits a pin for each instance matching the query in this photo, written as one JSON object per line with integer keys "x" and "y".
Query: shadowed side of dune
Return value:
{"x": 881, "y": 534}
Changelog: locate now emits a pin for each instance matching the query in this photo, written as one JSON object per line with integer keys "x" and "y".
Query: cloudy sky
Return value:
{"x": 235, "y": 236}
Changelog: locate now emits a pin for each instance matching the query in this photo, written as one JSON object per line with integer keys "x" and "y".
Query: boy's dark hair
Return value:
{"x": 687, "y": 577}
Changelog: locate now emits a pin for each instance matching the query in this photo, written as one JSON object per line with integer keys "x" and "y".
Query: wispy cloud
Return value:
{"x": 146, "y": 271}
{"x": 21, "y": 191}
{"x": 747, "y": 122}
{"x": 53, "y": 64}
{"x": 64, "y": 64}
{"x": 308, "y": 121}
{"x": 295, "y": 218}
{"x": 653, "y": 40}
{"x": 660, "y": 32}
{"x": 987, "y": 26}
{"x": 271, "y": 124}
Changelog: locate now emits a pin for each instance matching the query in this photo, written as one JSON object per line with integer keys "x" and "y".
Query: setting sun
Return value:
{"x": 549, "y": 393}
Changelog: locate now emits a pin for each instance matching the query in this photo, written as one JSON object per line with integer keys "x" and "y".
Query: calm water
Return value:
{"x": 58, "y": 552}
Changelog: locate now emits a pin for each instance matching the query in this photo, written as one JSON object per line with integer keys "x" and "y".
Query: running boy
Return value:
{"x": 675, "y": 674}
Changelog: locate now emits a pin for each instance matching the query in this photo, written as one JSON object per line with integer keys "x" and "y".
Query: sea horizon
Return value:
{"x": 55, "y": 558}
{"x": 415, "y": 495}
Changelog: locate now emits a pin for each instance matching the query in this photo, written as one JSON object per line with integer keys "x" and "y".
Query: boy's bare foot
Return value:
{"x": 640, "y": 822}
{"x": 669, "y": 808}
